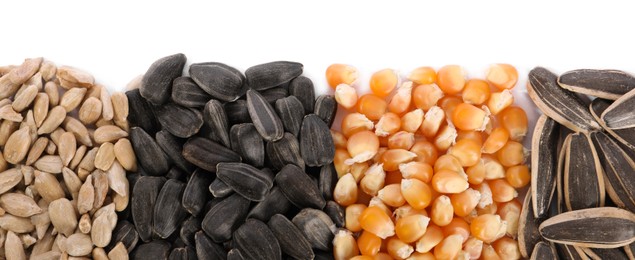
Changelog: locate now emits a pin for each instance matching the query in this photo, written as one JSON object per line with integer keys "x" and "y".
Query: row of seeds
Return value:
{"x": 429, "y": 167}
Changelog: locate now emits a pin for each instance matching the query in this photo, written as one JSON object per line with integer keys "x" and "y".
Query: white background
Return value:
{"x": 118, "y": 40}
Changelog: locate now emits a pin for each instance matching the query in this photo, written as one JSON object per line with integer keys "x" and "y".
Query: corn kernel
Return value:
{"x": 368, "y": 243}
{"x": 371, "y": 106}
{"x": 354, "y": 123}
{"x": 488, "y": 227}
{"x": 391, "y": 195}
{"x": 341, "y": 74}
{"x": 432, "y": 237}
{"x": 426, "y": 152}
{"x": 488, "y": 253}
{"x": 388, "y": 124}
{"x": 446, "y": 181}
{"x": 423, "y": 76}
{"x": 400, "y": 102}
{"x": 502, "y": 76}
{"x": 465, "y": 202}
{"x": 502, "y": 191}
{"x": 518, "y": 176}
{"x": 468, "y": 117}
{"x": 445, "y": 138}
{"x": 392, "y": 158}
{"x": 376, "y": 221}
{"x": 377, "y": 202}
{"x": 467, "y": 151}
{"x": 362, "y": 147}
{"x": 476, "y": 173}
{"x": 346, "y": 96}
{"x": 421, "y": 256}
{"x": 341, "y": 155}
{"x": 344, "y": 245}
{"x": 441, "y": 211}
{"x": 493, "y": 168}
{"x": 416, "y": 170}
{"x": 358, "y": 170}
{"x": 449, "y": 248}
{"x": 473, "y": 247}
{"x": 449, "y": 103}
{"x": 338, "y": 139}
{"x": 373, "y": 179}
{"x": 498, "y": 101}
{"x": 412, "y": 120}
{"x": 426, "y": 96}
{"x": 486, "y": 199}
{"x": 352, "y": 217}
{"x": 507, "y": 248}
{"x": 407, "y": 210}
{"x": 401, "y": 140}
{"x": 399, "y": 249}
{"x": 345, "y": 192}
{"x": 361, "y": 257}
{"x": 432, "y": 121}
{"x": 411, "y": 228}
{"x": 476, "y": 136}
{"x": 514, "y": 119}
{"x": 458, "y": 226}
{"x": 496, "y": 140}
{"x": 510, "y": 212}
{"x": 511, "y": 154}
{"x": 447, "y": 162}
{"x": 417, "y": 193}
{"x": 476, "y": 92}
{"x": 451, "y": 79}
{"x": 382, "y": 255}
{"x": 383, "y": 82}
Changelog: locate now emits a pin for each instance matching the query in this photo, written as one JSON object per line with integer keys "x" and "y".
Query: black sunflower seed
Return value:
{"x": 176, "y": 174}
{"x": 157, "y": 249}
{"x": 605, "y": 253}
{"x": 291, "y": 240}
{"x": 326, "y": 108}
{"x": 528, "y": 234}
{"x": 264, "y": 117}
{"x": 544, "y": 164}
{"x": 187, "y": 93}
{"x": 327, "y": 181}
{"x": 207, "y": 249}
{"x": 317, "y": 227}
{"x": 245, "y": 180}
{"x": 336, "y": 212}
{"x": 219, "y": 189}
{"x": 180, "y": 121}
{"x": 302, "y": 88}
{"x": 196, "y": 192}
{"x": 291, "y": 112}
{"x": 273, "y": 94}
{"x": 141, "y": 113}
{"x": 183, "y": 253}
{"x": 609, "y": 84}
{"x": 234, "y": 254}
{"x": 188, "y": 229}
{"x": 172, "y": 146}
{"x": 618, "y": 168}
{"x": 285, "y": 151}
{"x": 256, "y": 241}
{"x": 316, "y": 143}
{"x": 246, "y": 141}
{"x": 216, "y": 119}
{"x": 144, "y": 196}
{"x": 583, "y": 181}
{"x": 274, "y": 203}
{"x": 156, "y": 84}
{"x": 168, "y": 212}
{"x": 224, "y": 217}
{"x": 544, "y": 250}
{"x": 299, "y": 188}
{"x": 219, "y": 80}
{"x": 272, "y": 74}
{"x": 149, "y": 154}
{"x": 125, "y": 233}
{"x": 625, "y": 136}
{"x": 237, "y": 112}
{"x": 206, "y": 154}
{"x": 619, "y": 115}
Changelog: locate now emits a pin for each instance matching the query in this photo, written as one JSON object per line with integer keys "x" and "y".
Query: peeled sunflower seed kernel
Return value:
{"x": 317, "y": 227}
{"x": 67, "y": 147}
{"x": 63, "y": 216}
{"x": 544, "y": 164}
{"x": 144, "y": 197}
{"x": 246, "y": 141}
{"x": 109, "y": 133}
{"x": 609, "y": 84}
{"x": 225, "y": 217}
{"x": 148, "y": 152}
{"x": 292, "y": 241}
{"x": 40, "y": 108}
{"x": 7, "y": 113}
{"x": 245, "y": 180}
{"x": 256, "y": 241}
{"x": 70, "y": 77}
{"x": 125, "y": 154}
{"x": 218, "y": 80}
{"x": 180, "y": 121}
{"x": 187, "y": 93}
{"x": 274, "y": 203}
{"x": 101, "y": 231}
{"x": 269, "y": 75}
{"x": 119, "y": 252}
{"x": 285, "y": 151}
{"x": 326, "y": 108}
{"x": 16, "y": 224}
{"x": 13, "y": 247}
{"x": 105, "y": 156}
{"x": 316, "y": 144}
{"x": 264, "y": 117}
{"x": 25, "y": 98}
{"x": 72, "y": 98}
{"x": 206, "y": 154}
{"x": 216, "y": 119}
{"x": 47, "y": 186}
{"x": 291, "y": 113}
{"x": 168, "y": 212}
{"x": 299, "y": 188}
{"x": 619, "y": 115}
{"x": 17, "y": 146}
{"x": 206, "y": 248}
{"x": 156, "y": 84}
{"x": 302, "y": 88}
{"x": 10, "y": 82}
{"x": 172, "y": 146}
{"x": 100, "y": 182}
{"x": 19, "y": 205}
{"x": 9, "y": 179}
{"x": 78, "y": 129}
{"x": 196, "y": 191}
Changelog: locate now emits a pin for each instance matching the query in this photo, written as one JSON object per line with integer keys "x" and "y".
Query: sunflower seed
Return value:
{"x": 180, "y": 121}
{"x": 124, "y": 233}
{"x": 264, "y": 117}
{"x": 168, "y": 213}
{"x": 144, "y": 196}
{"x": 54, "y": 119}
{"x": 583, "y": 180}
{"x": 316, "y": 143}
{"x": 19, "y": 205}
{"x": 237, "y": 112}
{"x": 63, "y": 216}
{"x": 13, "y": 247}
{"x": 100, "y": 182}
{"x": 299, "y": 188}
{"x": 630, "y": 250}
{"x": 285, "y": 151}
{"x": 156, "y": 84}
{"x": 72, "y": 98}
{"x": 101, "y": 232}
{"x": 157, "y": 249}
{"x": 273, "y": 94}
{"x": 326, "y": 108}
{"x": 219, "y": 189}
{"x": 219, "y": 80}
{"x": 327, "y": 181}
{"x": 10, "y": 82}
{"x": 544, "y": 250}
{"x": 223, "y": 218}
{"x": 528, "y": 234}
{"x": 105, "y": 156}
{"x": 292, "y": 241}
{"x": 196, "y": 195}
{"x": 90, "y": 111}
{"x": 172, "y": 146}
{"x": 206, "y": 249}
{"x": 7, "y": 113}
{"x": 189, "y": 229}
{"x": 609, "y": 84}
{"x": 603, "y": 253}
{"x": 70, "y": 77}
{"x": 141, "y": 112}
{"x": 108, "y": 133}
{"x": 272, "y": 74}
{"x": 618, "y": 167}
{"x": 25, "y": 98}
{"x": 274, "y": 203}
{"x": 187, "y": 93}
{"x": 9, "y": 179}
{"x": 336, "y": 213}
{"x": 86, "y": 196}
{"x": 245, "y": 180}
{"x": 47, "y": 186}
{"x": 290, "y": 111}
{"x": 87, "y": 165}
{"x": 67, "y": 147}
{"x": 605, "y": 227}
{"x": 183, "y": 253}
{"x": 118, "y": 252}
{"x": 125, "y": 154}
{"x": 302, "y": 88}
{"x": 78, "y": 129}
{"x": 17, "y": 146}
{"x": 16, "y": 224}
{"x": 544, "y": 162}
{"x": 256, "y": 241}
{"x": 117, "y": 180}
{"x": 557, "y": 103}
{"x": 246, "y": 141}
{"x": 234, "y": 254}
{"x": 625, "y": 136}
{"x": 216, "y": 119}
{"x": 206, "y": 154}
{"x": 40, "y": 108}
{"x": 317, "y": 227}
{"x": 619, "y": 114}
{"x": 149, "y": 154}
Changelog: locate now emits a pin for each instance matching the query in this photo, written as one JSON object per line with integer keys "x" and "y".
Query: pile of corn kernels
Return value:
{"x": 429, "y": 167}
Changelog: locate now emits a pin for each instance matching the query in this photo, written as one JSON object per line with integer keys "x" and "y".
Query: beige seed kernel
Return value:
{"x": 125, "y": 154}
{"x": 54, "y": 119}
{"x": 107, "y": 109}
{"x": 86, "y": 196}
{"x": 49, "y": 163}
{"x": 7, "y": 113}
{"x": 70, "y": 77}
{"x": 109, "y": 133}
{"x": 25, "y": 98}
{"x": 67, "y": 147}
{"x": 118, "y": 252}
{"x": 78, "y": 129}
{"x": 63, "y": 216}
{"x": 100, "y": 254}
{"x": 79, "y": 155}
{"x": 101, "y": 232}
{"x": 17, "y": 146}
{"x": 100, "y": 182}
{"x": 13, "y": 247}
{"x": 105, "y": 156}
{"x": 19, "y": 205}
{"x": 120, "y": 106}
{"x": 48, "y": 70}
{"x": 6, "y": 129}
{"x": 52, "y": 91}
{"x": 90, "y": 111}
{"x": 79, "y": 244}
{"x": 47, "y": 186}
{"x": 9, "y": 179}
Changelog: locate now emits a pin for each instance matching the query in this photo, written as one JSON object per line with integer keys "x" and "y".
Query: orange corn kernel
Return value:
{"x": 373, "y": 180}
{"x": 432, "y": 121}
{"x": 393, "y": 177}
{"x": 426, "y": 96}
{"x": 388, "y": 124}
{"x": 400, "y": 102}
{"x": 512, "y": 153}
{"x": 354, "y": 123}
{"x": 514, "y": 119}
{"x": 449, "y": 103}
{"x": 486, "y": 198}
{"x": 346, "y": 96}
{"x": 476, "y": 92}
{"x": 493, "y": 168}
{"x": 416, "y": 170}
{"x": 391, "y": 195}
{"x": 449, "y": 248}
{"x": 476, "y": 136}
{"x": 383, "y": 82}
{"x": 488, "y": 227}
{"x": 341, "y": 155}
{"x": 473, "y": 247}
{"x": 496, "y": 140}
{"x": 426, "y": 152}
{"x": 488, "y": 253}
{"x": 341, "y": 74}
{"x": 352, "y": 217}
{"x": 407, "y": 210}
{"x": 432, "y": 237}
{"x": 417, "y": 193}
{"x": 507, "y": 248}
{"x": 361, "y": 257}
{"x": 502, "y": 76}
{"x": 345, "y": 192}
{"x": 451, "y": 79}
{"x": 398, "y": 249}
{"x": 468, "y": 117}
{"x": 423, "y": 76}
{"x": 338, "y": 139}
{"x": 499, "y": 101}
{"x": 502, "y": 191}
{"x": 412, "y": 120}
{"x": 510, "y": 213}
{"x": 401, "y": 140}
{"x": 446, "y": 181}
{"x": 382, "y": 256}
{"x": 362, "y": 146}
{"x": 344, "y": 245}
{"x": 518, "y": 176}
{"x": 445, "y": 138}
{"x": 421, "y": 256}
{"x": 368, "y": 243}
{"x": 448, "y": 162}
{"x": 395, "y": 157}
{"x": 458, "y": 226}
{"x": 411, "y": 228}
{"x": 476, "y": 173}
{"x": 489, "y": 209}
{"x": 380, "y": 152}
{"x": 467, "y": 151}
{"x": 465, "y": 202}
{"x": 372, "y": 106}
{"x": 375, "y": 220}
{"x": 377, "y": 202}
{"x": 358, "y": 170}
{"x": 441, "y": 211}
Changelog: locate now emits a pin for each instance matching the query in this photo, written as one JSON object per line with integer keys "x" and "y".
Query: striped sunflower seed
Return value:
{"x": 299, "y": 188}
{"x": 316, "y": 144}
{"x": 188, "y": 230}
{"x": 291, "y": 240}
{"x": 604, "y": 253}
{"x": 272, "y": 74}
{"x": 63, "y": 216}
{"x": 246, "y": 141}
{"x": 196, "y": 192}
{"x": 124, "y": 233}
{"x": 218, "y": 80}
{"x": 274, "y": 203}
{"x": 144, "y": 196}
{"x": 234, "y": 254}
{"x": 225, "y": 217}
{"x": 157, "y": 249}
{"x": 72, "y": 98}
{"x": 544, "y": 250}
{"x": 291, "y": 112}
{"x": 148, "y": 152}
{"x": 216, "y": 119}
{"x": 187, "y": 93}
{"x": 528, "y": 234}
{"x": 17, "y": 146}
{"x": 625, "y": 136}
{"x": 619, "y": 115}
{"x": 326, "y": 108}
{"x": 284, "y": 151}
{"x": 207, "y": 249}
{"x": 327, "y": 181}
{"x": 264, "y": 117}
{"x": 237, "y": 112}
{"x": 182, "y": 253}
{"x": 180, "y": 121}
{"x": 302, "y": 88}
{"x": 156, "y": 84}
{"x": 19, "y": 205}
{"x": 336, "y": 213}
{"x": 317, "y": 227}
{"x": 168, "y": 212}
{"x": 90, "y": 111}
{"x": 141, "y": 113}
{"x": 618, "y": 166}
{"x": 583, "y": 176}
{"x": 70, "y": 77}
{"x": 172, "y": 147}
{"x": 256, "y": 241}
{"x": 219, "y": 189}
{"x": 245, "y": 180}
{"x": 206, "y": 154}
{"x": 609, "y": 84}
{"x": 273, "y": 94}
{"x": 544, "y": 162}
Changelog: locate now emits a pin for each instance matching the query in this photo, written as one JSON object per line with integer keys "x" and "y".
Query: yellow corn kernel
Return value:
{"x": 407, "y": 210}
{"x": 355, "y": 122}
{"x": 493, "y": 168}
{"x": 368, "y": 243}
{"x": 417, "y": 193}
{"x": 400, "y": 102}
{"x": 426, "y": 96}
{"x": 446, "y": 181}
{"x": 416, "y": 170}
{"x": 382, "y": 256}
{"x": 510, "y": 213}
{"x": 362, "y": 147}
{"x": 391, "y": 195}
{"x": 341, "y": 74}
{"x": 502, "y": 191}
{"x": 371, "y": 106}
{"x": 426, "y": 151}
{"x": 496, "y": 140}
{"x": 377, "y": 202}
{"x": 468, "y": 117}
{"x": 476, "y": 92}
{"x": 373, "y": 180}
{"x": 488, "y": 253}
{"x": 398, "y": 249}
{"x": 361, "y": 257}
{"x": 511, "y": 154}
{"x": 380, "y": 153}
{"x": 395, "y": 157}
{"x": 476, "y": 136}
{"x": 502, "y": 76}
{"x": 486, "y": 198}
{"x": 421, "y": 256}
{"x": 345, "y": 192}
{"x": 383, "y": 82}
{"x": 430, "y": 238}
{"x": 458, "y": 226}
{"x": 423, "y": 75}
{"x": 432, "y": 121}
{"x": 339, "y": 139}
{"x": 358, "y": 170}
{"x": 344, "y": 245}
{"x": 498, "y": 101}
{"x": 518, "y": 176}
{"x": 447, "y": 162}
{"x": 476, "y": 173}
{"x": 411, "y": 121}
{"x": 341, "y": 156}
{"x": 473, "y": 247}
{"x": 445, "y": 138}
{"x": 467, "y": 151}
{"x": 388, "y": 124}
{"x": 346, "y": 96}
{"x": 401, "y": 140}
{"x": 514, "y": 119}
{"x": 352, "y": 217}
{"x": 376, "y": 221}
{"x": 451, "y": 79}
{"x": 448, "y": 104}
{"x": 465, "y": 202}
{"x": 441, "y": 211}
{"x": 449, "y": 248}
{"x": 507, "y": 248}
{"x": 411, "y": 228}
{"x": 488, "y": 227}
